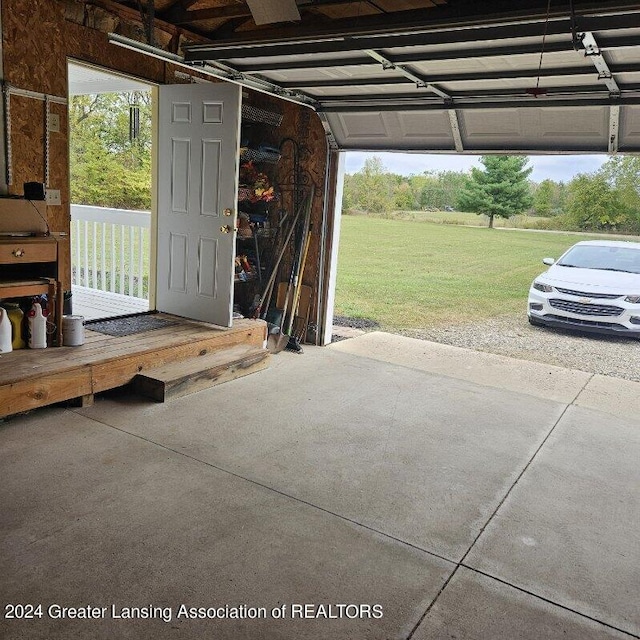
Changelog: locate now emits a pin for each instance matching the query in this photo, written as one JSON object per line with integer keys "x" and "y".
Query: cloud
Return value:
{"x": 561, "y": 168}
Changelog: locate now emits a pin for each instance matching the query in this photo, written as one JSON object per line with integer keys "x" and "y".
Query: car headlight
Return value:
{"x": 547, "y": 288}
{"x": 632, "y": 299}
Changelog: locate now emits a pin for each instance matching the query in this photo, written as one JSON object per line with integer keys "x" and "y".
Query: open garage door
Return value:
{"x": 565, "y": 81}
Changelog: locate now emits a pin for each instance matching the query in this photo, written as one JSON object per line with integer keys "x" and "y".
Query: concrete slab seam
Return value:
{"x": 547, "y": 600}
{"x": 524, "y": 470}
{"x": 495, "y": 511}
{"x": 426, "y": 613}
{"x": 279, "y": 492}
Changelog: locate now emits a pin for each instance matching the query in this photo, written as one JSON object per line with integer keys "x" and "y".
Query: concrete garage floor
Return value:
{"x": 468, "y": 495}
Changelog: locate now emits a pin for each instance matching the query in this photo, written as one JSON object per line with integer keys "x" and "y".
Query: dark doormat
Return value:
{"x": 120, "y": 327}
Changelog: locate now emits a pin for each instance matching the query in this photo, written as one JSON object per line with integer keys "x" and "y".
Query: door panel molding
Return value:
{"x": 198, "y": 153}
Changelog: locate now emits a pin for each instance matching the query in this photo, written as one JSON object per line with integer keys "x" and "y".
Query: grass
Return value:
{"x": 405, "y": 274}
{"x": 462, "y": 218}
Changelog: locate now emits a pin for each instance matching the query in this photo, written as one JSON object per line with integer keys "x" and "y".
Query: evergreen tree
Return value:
{"x": 500, "y": 190}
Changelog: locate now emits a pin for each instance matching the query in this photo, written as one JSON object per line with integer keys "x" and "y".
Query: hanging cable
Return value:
{"x": 544, "y": 38}
{"x": 575, "y": 38}
{"x": 536, "y": 91}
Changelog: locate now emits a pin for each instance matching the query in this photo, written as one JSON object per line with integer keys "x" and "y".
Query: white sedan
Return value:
{"x": 594, "y": 286}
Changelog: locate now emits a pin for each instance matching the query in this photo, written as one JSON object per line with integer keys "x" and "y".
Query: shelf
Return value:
{"x": 270, "y": 157}
{"x": 26, "y": 288}
{"x": 261, "y": 116}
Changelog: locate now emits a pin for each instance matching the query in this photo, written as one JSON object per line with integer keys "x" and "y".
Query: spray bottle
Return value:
{"x": 37, "y": 326}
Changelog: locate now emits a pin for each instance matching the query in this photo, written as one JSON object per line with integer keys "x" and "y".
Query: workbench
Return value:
{"x": 29, "y": 266}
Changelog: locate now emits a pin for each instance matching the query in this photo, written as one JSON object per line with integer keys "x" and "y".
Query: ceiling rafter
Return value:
{"x": 176, "y": 9}
{"x": 132, "y": 14}
{"x": 180, "y": 14}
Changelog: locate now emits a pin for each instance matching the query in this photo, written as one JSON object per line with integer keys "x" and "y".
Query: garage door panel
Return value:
{"x": 366, "y": 90}
{"x": 630, "y": 129}
{"x": 587, "y": 81}
{"x": 413, "y": 130}
{"x": 346, "y": 72}
{"x": 425, "y": 50}
{"x": 521, "y": 62}
{"x": 553, "y": 129}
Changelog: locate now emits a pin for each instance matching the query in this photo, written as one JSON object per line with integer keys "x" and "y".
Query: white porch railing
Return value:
{"x": 110, "y": 249}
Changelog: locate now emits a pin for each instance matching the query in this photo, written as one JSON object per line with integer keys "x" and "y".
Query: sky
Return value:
{"x": 555, "y": 167}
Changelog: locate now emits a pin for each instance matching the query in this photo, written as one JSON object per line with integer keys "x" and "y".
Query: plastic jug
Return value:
{"x": 15, "y": 316}
{"x": 37, "y": 327}
{"x": 5, "y": 332}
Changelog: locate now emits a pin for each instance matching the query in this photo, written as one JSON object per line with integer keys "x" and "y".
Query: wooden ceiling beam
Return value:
{"x": 133, "y": 15}
{"x": 180, "y": 15}
{"x": 176, "y": 9}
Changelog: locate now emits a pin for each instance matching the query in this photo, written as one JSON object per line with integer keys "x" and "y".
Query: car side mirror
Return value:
{"x": 548, "y": 261}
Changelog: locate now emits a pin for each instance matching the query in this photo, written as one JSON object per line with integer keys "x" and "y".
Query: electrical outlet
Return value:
{"x": 53, "y": 123}
{"x": 53, "y": 196}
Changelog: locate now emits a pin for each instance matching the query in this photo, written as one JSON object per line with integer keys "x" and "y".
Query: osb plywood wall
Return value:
{"x": 38, "y": 40}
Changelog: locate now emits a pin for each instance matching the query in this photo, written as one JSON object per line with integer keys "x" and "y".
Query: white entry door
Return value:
{"x": 198, "y": 142}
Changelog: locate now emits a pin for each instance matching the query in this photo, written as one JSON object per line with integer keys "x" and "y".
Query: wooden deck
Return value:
{"x": 93, "y": 304}
{"x": 31, "y": 378}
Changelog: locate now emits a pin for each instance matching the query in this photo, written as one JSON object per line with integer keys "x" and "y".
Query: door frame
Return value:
{"x": 153, "y": 230}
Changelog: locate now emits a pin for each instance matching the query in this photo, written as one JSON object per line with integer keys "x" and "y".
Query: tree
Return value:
{"x": 623, "y": 173}
{"x": 371, "y": 189}
{"x": 593, "y": 203}
{"x": 107, "y": 167}
{"x": 451, "y": 183}
{"x": 543, "y": 197}
{"x": 500, "y": 190}
{"x": 404, "y": 197}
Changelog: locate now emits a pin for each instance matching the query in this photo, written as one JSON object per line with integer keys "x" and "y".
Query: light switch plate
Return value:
{"x": 53, "y": 123}
{"x": 53, "y": 196}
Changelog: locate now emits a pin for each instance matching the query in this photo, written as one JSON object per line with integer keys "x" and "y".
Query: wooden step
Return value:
{"x": 179, "y": 379}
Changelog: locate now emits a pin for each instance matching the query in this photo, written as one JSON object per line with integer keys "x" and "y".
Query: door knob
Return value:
{"x": 228, "y": 212}
{"x": 225, "y": 228}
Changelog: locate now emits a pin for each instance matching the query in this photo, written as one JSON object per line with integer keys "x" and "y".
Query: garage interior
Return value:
{"x": 376, "y": 471}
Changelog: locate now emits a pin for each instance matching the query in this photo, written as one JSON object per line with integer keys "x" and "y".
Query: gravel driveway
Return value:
{"x": 513, "y": 336}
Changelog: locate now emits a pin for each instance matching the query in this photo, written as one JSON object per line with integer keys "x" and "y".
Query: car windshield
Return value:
{"x": 608, "y": 258}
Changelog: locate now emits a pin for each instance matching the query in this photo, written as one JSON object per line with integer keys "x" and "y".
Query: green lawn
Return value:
{"x": 470, "y": 219}
{"x": 412, "y": 274}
